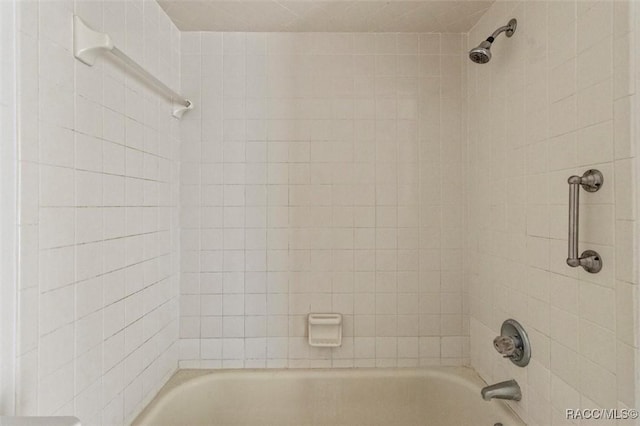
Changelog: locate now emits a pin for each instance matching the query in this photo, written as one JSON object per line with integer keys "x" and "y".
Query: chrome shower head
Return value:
{"x": 482, "y": 53}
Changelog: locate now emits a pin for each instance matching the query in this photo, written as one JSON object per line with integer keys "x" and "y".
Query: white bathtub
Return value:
{"x": 435, "y": 397}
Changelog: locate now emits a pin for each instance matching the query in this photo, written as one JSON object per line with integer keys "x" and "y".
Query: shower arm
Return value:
{"x": 497, "y": 32}
{"x": 510, "y": 28}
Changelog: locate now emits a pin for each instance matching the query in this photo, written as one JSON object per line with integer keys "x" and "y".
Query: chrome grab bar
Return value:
{"x": 591, "y": 181}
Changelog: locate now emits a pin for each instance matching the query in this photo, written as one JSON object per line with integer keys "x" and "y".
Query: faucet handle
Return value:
{"x": 513, "y": 343}
{"x": 505, "y": 345}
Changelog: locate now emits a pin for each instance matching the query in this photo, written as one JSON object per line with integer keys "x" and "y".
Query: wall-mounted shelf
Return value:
{"x": 88, "y": 44}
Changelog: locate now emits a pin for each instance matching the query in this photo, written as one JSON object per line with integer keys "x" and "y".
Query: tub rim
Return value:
{"x": 184, "y": 378}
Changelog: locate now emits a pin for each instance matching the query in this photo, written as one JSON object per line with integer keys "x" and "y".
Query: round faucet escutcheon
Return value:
{"x": 513, "y": 343}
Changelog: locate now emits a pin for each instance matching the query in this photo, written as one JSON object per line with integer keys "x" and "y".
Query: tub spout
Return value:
{"x": 503, "y": 390}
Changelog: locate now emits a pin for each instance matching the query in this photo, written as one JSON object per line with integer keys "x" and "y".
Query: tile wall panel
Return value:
{"x": 99, "y": 239}
{"x": 556, "y": 99}
{"x": 322, "y": 174}
{"x": 8, "y": 207}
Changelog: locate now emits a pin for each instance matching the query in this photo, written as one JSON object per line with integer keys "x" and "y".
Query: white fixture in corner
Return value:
{"x": 89, "y": 44}
{"x": 325, "y": 330}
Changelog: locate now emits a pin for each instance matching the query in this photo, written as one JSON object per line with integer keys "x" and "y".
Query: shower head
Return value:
{"x": 482, "y": 53}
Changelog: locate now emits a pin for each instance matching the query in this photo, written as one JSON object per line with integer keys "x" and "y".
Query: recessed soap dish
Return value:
{"x": 325, "y": 330}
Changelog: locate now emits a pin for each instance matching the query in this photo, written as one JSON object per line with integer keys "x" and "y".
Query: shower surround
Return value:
{"x": 322, "y": 172}
{"x": 383, "y": 176}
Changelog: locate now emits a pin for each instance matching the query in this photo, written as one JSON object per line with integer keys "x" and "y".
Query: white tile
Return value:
{"x": 77, "y": 106}
{"x": 598, "y": 344}
{"x": 56, "y": 350}
{"x": 598, "y": 304}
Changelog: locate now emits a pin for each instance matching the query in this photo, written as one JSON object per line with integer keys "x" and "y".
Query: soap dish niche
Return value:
{"x": 325, "y": 330}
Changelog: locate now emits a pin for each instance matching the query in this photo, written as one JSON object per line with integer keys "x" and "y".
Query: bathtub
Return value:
{"x": 447, "y": 396}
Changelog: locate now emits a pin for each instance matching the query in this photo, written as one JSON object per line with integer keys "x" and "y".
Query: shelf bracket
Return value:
{"x": 89, "y": 44}
{"x": 179, "y": 109}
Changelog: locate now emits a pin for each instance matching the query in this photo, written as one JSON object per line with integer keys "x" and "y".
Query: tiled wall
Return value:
{"x": 8, "y": 208}
{"x": 555, "y": 100}
{"x": 322, "y": 173}
{"x": 98, "y": 284}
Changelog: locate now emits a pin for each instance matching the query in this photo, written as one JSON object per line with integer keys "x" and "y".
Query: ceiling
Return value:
{"x": 320, "y": 15}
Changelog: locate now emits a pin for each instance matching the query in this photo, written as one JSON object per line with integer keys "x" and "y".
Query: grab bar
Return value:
{"x": 591, "y": 181}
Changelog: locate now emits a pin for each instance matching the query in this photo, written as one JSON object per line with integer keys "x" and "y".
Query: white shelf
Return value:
{"x": 89, "y": 44}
